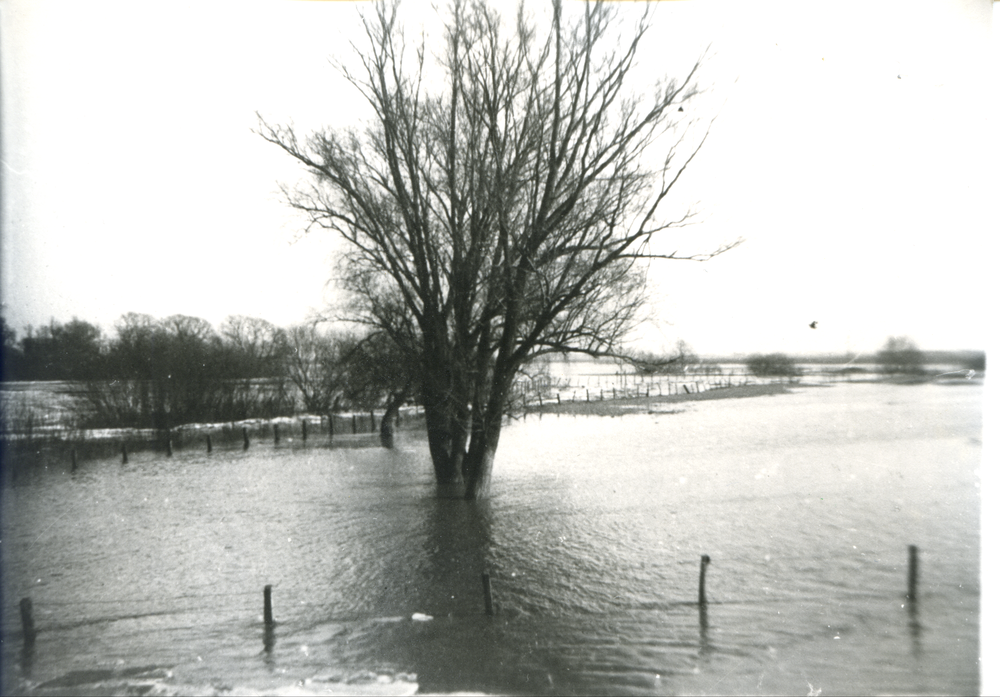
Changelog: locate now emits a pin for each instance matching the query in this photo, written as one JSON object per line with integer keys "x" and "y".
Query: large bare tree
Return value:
{"x": 501, "y": 204}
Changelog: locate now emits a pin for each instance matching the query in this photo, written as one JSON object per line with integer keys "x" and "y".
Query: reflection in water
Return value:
{"x": 269, "y": 646}
{"x": 916, "y": 646}
{"x": 462, "y": 646}
{"x": 704, "y": 647}
{"x": 27, "y": 660}
{"x": 458, "y": 547}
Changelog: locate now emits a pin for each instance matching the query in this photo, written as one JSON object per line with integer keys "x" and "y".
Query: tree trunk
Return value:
{"x": 439, "y": 416}
{"x": 387, "y": 432}
{"x": 477, "y": 484}
{"x": 478, "y": 469}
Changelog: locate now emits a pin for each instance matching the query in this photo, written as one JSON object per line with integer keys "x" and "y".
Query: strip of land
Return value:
{"x": 632, "y": 405}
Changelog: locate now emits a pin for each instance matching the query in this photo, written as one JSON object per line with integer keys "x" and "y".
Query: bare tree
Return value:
{"x": 380, "y": 375}
{"x": 316, "y": 366}
{"x": 260, "y": 346}
{"x": 509, "y": 215}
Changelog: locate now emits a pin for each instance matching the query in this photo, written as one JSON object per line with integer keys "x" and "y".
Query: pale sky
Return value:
{"x": 854, "y": 152}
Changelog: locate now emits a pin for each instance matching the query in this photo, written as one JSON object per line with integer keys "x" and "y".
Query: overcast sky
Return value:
{"x": 853, "y": 152}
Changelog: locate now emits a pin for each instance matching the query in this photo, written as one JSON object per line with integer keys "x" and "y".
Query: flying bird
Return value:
{"x": 813, "y": 324}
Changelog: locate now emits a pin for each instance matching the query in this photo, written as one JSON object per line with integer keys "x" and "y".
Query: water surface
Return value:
{"x": 805, "y": 502}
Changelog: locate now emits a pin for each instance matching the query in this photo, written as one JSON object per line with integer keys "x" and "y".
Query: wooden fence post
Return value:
{"x": 268, "y": 617}
{"x": 702, "y": 598}
{"x": 911, "y": 579}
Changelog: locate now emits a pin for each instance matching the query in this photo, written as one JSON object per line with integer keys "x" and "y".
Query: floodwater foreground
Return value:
{"x": 148, "y": 575}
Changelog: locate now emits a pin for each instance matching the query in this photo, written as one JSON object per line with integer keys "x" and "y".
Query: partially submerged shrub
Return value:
{"x": 772, "y": 365}
{"x": 900, "y": 356}
{"x": 166, "y": 403}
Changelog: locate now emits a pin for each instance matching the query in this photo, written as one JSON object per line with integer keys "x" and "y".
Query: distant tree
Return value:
{"x": 71, "y": 351}
{"x": 130, "y": 352}
{"x": 11, "y": 363}
{"x": 772, "y": 365}
{"x": 508, "y": 207}
{"x": 380, "y": 375}
{"x": 316, "y": 365}
{"x": 180, "y": 370}
{"x": 257, "y": 348}
{"x": 900, "y": 356}
{"x": 167, "y": 372}
{"x": 682, "y": 359}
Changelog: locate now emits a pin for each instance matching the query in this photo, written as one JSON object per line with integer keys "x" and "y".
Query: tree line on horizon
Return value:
{"x": 164, "y": 372}
{"x": 144, "y": 347}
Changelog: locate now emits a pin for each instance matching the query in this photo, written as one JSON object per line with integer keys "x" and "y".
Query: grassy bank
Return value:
{"x": 631, "y": 405}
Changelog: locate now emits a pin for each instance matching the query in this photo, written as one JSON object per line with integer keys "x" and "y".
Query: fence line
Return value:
{"x": 631, "y": 385}
{"x": 30, "y": 630}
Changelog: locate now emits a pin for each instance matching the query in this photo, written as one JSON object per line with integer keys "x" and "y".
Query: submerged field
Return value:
{"x": 148, "y": 575}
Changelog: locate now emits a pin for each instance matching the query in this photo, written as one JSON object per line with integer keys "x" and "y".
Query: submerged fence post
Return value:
{"x": 911, "y": 585}
{"x": 487, "y": 593}
{"x": 246, "y": 439}
{"x": 27, "y": 622}
{"x": 331, "y": 425}
{"x": 354, "y": 423}
{"x": 124, "y": 454}
{"x": 170, "y": 447}
{"x": 72, "y": 458}
{"x": 208, "y": 442}
{"x": 304, "y": 430}
{"x": 268, "y": 617}
{"x": 275, "y": 434}
{"x": 702, "y": 599}
{"x": 374, "y": 425}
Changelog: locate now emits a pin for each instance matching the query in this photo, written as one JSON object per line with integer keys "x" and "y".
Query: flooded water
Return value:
{"x": 149, "y": 575}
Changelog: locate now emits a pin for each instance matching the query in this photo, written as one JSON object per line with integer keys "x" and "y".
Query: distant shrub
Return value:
{"x": 681, "y": 361}
{"x": 772, "y": 365}
{"x": 976, "y": 361}
{"x": 900, "y": 356}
